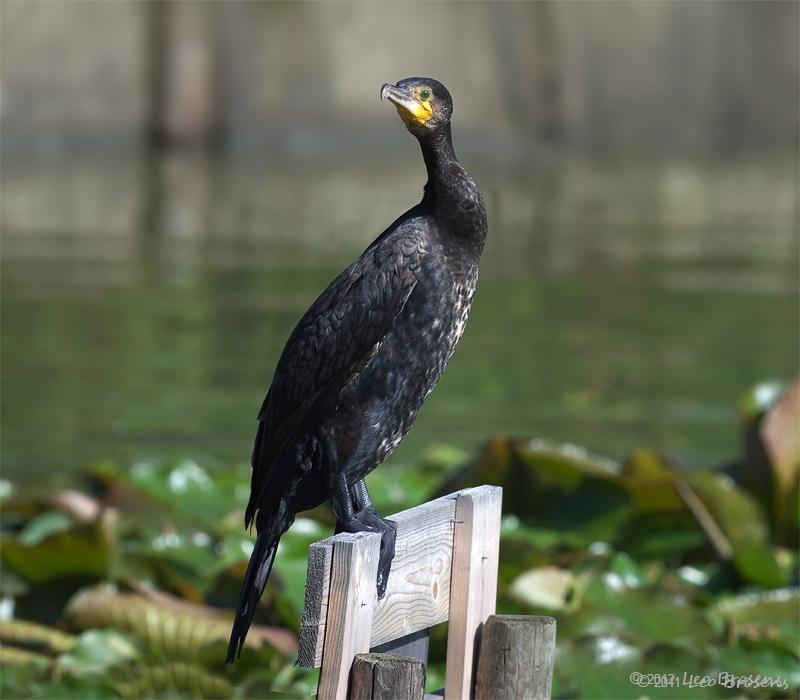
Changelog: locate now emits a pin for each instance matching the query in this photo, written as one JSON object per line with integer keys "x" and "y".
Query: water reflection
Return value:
{"x": 145, "y": 301}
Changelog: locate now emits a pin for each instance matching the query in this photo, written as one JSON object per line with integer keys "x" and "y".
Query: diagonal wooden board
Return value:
{"x": 418, "y": 590}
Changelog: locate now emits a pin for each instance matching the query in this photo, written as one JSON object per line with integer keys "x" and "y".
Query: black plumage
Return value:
{"x": 366, "y": 354}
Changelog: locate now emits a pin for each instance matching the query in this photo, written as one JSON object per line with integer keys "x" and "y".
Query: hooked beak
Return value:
{"x": 395, "y": 95}
{"x": 409, "y": 109}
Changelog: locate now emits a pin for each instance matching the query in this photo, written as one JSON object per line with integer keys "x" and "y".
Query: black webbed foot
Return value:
{"x": 355, "y": 513}
{"x": 368, "y": 520}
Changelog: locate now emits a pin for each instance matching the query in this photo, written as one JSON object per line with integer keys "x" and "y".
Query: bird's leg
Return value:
{"x": 365, "y": 512}
{"x": 342, "y": 505}
{"x": 355, "y": 513}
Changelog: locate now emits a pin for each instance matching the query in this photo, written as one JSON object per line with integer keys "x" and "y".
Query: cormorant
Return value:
{"x": 364, "y": 357}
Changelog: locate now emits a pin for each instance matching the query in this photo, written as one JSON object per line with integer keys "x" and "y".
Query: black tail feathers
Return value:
{"x": 253, "y": 586}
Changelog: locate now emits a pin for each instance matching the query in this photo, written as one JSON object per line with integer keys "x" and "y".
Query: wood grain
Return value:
{"x": 516, "y": 658}
{"x": 351, "y": 600}
{"x": 312, "y": 620}
{"x": 473, "y": 585}
{"x": 418, "y": 589}
{"x": 387, "y": 677}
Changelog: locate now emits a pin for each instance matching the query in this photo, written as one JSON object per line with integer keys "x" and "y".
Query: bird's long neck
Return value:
{"x": 442, "y": 165}
{"x": 451, "y": 194}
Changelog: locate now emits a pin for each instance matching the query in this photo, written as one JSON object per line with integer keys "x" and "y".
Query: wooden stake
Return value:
{"x": 387, "y": 677}
{"x": 516, "y": 658}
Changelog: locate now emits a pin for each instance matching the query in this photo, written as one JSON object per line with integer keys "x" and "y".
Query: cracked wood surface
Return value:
{"x": 516, "y": 658}
{"x": 418, "y": 590}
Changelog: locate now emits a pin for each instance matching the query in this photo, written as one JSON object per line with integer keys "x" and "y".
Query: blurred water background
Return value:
{"x": 179, "y": 181}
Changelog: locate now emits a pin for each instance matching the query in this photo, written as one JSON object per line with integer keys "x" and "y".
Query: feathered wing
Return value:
{"x": 335, "y": 338}
{"x": 333, "y": 341}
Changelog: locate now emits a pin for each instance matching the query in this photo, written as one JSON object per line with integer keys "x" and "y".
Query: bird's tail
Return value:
{"x": 255, "y": 580}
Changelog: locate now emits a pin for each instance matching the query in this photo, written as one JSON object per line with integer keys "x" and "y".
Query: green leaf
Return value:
{"x": 750, "y": 658}
{"x": 773, "y": 616}
{"x": 650, "y": 613}
{"x": 530, "y": 469}
{"x": 42, "y": 526}
{"x": 627, "y": 569}
{"x": 401, "y": 487}
{"x": 650, "y": 481}
{"x": 662, "y": 537}
{"x": 741, "y": 519}
{"x": 195, "y": 558}
{"x": 170, "y": 627}
{"x": 84, "y": 550}
{"x": 95, "y": 651}
{"x": 175, "y": 679}
{"x": 31, "y": 634}
{"x": 602, "y": 667}
{"x": 192, "y": 494}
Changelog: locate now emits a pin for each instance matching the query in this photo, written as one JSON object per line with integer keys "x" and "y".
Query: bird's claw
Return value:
{"x": 368, "y": 520}
{"x": 386, "y": 556}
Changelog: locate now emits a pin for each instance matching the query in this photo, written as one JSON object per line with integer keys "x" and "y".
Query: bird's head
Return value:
{"x": 424, "y": 104}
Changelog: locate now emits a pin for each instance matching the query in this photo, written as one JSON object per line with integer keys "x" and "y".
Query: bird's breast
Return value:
{"x": 379, "y": 406}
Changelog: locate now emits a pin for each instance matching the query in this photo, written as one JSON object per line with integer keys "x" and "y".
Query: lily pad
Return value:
{"x": 772, "y": 616}
{"x": 187, "y": 560}
{"x": 174, "y": 679}
{"x": 32, "y": 635}
{"x": 528, "y": 469}
{"x": 750, "y": 659}
{"x": 43, "y": 526}
{"x": 548, "y": 587}
{"x": 609, "y": 667}
{"x": 193, "y": 494}
{"x": 96, "y": 651}
{"x": 84, "y": 550}
{"x": 653, "y": 614}
{"x": 171, "y": 628}
{"x": 738, "y": 516}
{"x": 650, "y": 481}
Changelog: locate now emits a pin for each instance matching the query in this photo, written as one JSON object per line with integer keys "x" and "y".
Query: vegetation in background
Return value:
{"x": 125, "y": 588}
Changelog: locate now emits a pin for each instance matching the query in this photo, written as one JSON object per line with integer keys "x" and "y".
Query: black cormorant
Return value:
{"x": 362, "y": 360}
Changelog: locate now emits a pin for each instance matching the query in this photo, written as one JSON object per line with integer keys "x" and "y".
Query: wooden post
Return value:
{"x": 351, "y": 602}
{"x": 473, "y": 582}
{"x": 445, "y": 569}
{"x": 516, "y": 658}
{"x": 387, "y": 677}
{"x": 418, "y": 591}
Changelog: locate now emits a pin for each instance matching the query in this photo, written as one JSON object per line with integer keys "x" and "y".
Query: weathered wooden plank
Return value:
{"x": 473, "y": 585}
{"x": 387, "y": 677}
{"x": 312, "y": 621}
{"x": 516, "y": 656}
{"x": 418, "y": 590}
{"x": 351, "y": 600}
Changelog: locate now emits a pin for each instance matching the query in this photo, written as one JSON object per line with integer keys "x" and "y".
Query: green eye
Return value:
{"x": 424, "y": 94}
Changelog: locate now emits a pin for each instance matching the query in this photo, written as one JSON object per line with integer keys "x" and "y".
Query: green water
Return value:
{"x": 144, "y": 304}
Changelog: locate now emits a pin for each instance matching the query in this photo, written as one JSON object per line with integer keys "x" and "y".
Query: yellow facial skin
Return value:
{"x": 417, "y": 110}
